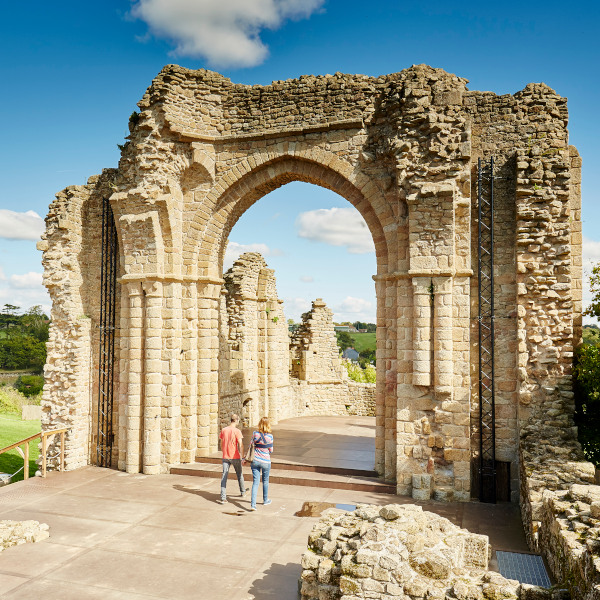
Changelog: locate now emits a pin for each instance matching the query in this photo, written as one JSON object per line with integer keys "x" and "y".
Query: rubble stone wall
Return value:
{"x": 402, "y": 149}
{"x": 265, "y": 372}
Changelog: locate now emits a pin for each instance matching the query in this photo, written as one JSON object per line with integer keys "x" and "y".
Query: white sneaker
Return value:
{"x": 221, "y": 501}
{"x": 267, "y": 502}
{"x": 252, "y": 508}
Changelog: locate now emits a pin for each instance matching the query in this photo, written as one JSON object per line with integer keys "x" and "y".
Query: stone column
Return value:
{"x": 421, "y": 331}
{"x": 189, "y": 374}
{"x": 153, "y": 323}
{"x": 391, "y": 380}
{"x": 171, "y": 404}
{"x": 134, "y": 329}
{"x": 208, "y": 365}
{"x": 121, "y": 396}
{"x": 442, "y": 334}
{"x": 381, "y": 341}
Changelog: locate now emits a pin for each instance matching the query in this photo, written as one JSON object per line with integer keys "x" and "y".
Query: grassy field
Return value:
{"x": 363, "y": 340}
{"x": 13, "y": 429}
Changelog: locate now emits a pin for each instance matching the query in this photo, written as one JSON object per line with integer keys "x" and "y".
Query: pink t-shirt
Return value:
{"x": 230, "y": 436}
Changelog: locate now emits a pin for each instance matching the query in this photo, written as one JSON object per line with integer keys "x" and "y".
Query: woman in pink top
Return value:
{"x": 261, "y": 465}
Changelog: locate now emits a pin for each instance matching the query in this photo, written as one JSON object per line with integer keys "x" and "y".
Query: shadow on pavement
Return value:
{"x": 279, "y": 582}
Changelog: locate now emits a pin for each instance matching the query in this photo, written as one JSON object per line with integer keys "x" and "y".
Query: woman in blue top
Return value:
{"x": 261, "y": 465}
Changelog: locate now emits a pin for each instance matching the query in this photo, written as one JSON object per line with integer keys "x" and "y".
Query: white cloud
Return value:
{"x": 225, "y": 32}
{"x": 337, "y": 227}
{"x": 20, "y": 225}
{"x": 234, "y": 250}
{"x": 27, "y": 281}
{"x": 354, "y": 309}
{"x": 24, "y": 291}
{"x": 307, "y": 279}
{"x": 295, "y": 307}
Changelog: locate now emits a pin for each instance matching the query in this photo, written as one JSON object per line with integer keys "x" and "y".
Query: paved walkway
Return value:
{"x": 340, "y": 442}
{"x": 137, "y": 537}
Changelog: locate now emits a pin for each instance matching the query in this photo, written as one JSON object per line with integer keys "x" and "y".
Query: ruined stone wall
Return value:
{"x": 402, "y": 149}
{"x": 314, "y": 352}
{"x": 254, "y": 361}
{"x": 71, "y": 261}
{"x": 263, "y": 371}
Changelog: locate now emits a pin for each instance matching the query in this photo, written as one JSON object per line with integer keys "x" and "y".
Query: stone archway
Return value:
{"x": 403, "y": 150}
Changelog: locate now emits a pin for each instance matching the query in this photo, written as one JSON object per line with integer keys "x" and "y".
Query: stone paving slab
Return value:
{"x": 119, "y": 536}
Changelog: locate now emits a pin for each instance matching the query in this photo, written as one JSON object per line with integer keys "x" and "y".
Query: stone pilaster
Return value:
{"x": 134, "y": 299}
{"x": 153, "y": 377}
{"x": 422, "y": 321}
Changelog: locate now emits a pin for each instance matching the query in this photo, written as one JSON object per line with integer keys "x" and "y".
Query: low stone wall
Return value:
{"x": 13, "y": 533}
{"x": 335, "y": 398}
{"x": 400, "y": 551}
{"x": 560, "y": 505}
{"x": 570, "y": 537}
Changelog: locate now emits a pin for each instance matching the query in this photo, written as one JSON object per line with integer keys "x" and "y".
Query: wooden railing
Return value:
{"x": 44, "y": 435}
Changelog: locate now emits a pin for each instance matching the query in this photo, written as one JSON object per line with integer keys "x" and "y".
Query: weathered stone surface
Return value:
{"x": 402, "y": 149}
{"x": 13, "y": 533}
{"x": 383, "y": 562}
{"x": 262, "y": 371}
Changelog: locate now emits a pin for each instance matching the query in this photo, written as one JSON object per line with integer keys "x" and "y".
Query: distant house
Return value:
{"x": 350, "y": 354}
{"x": 346, "y": 328}
{"x": 362, "y": 331}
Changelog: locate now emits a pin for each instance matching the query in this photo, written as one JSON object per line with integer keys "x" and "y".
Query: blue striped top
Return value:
{"x": 263, "y": 446}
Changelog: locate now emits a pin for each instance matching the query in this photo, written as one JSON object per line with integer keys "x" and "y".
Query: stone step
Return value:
{"x": 290, "y": 466}
{"x": 293, "y": 477}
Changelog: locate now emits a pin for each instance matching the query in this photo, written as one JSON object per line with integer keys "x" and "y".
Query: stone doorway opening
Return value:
{"x": 267, "y": 368}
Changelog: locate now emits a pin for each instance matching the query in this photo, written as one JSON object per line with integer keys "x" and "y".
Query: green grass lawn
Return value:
{"x": 363, "y": 340}
{"x": 13, "y": 429}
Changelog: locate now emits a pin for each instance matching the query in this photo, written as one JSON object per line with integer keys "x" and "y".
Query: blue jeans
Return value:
{"x": 237, "y": 465}
{"x": 258, "y": 469}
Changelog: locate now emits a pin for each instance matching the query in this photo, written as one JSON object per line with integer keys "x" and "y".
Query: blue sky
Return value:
{"x": 73, "y": 71}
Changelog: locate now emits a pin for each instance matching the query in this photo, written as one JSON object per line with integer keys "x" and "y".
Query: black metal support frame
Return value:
{"x": 106, "y": 356}
{"x": 485, "y": 269}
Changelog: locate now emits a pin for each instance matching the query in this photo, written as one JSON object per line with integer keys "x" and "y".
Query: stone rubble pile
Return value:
{"x": 13, "y": 533}
{"x": 400, "y": 551}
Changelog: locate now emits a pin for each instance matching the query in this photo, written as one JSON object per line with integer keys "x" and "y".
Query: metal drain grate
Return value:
{"x": 525, "y": 568}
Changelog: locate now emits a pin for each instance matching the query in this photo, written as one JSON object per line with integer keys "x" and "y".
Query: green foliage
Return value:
{"x": 366, "y": 357}
{"x": 591, "y": 335}
{"x": 593, "y": 310}
{"x": 22, "y": 352}
{"x": 23, "y": 339}
{"x": 587, "y": 400}
{"x": 357, "y": 373}
{"x": 12, "y": 430}
{"x": 29, "y": 385}
{"x": 344, "y": 340}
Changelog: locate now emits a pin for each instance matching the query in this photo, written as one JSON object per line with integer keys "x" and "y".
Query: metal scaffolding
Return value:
{"x": 485, "y": 269}
{"x": 106, "y": 358}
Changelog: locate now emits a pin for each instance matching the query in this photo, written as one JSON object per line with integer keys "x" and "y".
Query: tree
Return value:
{"x": 344, "y": 340}
{"x": 593, "y": 310}
{"x": 8, "y": 316}
{"x": 587, "y": 382}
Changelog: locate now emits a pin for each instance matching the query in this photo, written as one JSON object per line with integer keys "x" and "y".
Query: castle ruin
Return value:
{"x": 188, "y": 344}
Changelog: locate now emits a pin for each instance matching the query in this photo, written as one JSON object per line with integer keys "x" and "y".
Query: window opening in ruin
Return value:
{"x": 106, "y": 359}
{"x": 485, "y": 268}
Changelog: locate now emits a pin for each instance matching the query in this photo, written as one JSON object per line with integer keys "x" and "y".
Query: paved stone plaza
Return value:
{"x": 115, "y": 535}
